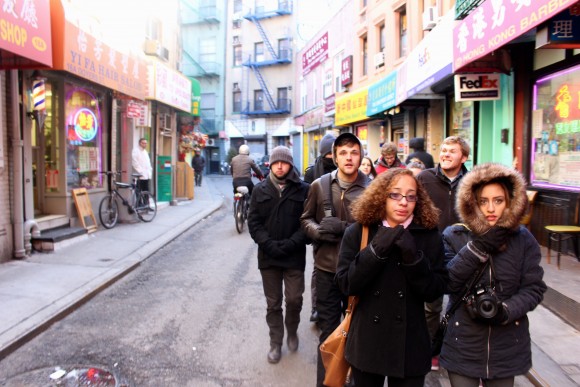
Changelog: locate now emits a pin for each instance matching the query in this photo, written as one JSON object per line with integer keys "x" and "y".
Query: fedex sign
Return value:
{"x": 477, "y": 87}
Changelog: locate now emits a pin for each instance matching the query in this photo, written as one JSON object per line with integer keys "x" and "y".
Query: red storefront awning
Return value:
{"x": 25, "y": 40}
{"x": 494, "y": 24}
{"x": 81, "y": 53}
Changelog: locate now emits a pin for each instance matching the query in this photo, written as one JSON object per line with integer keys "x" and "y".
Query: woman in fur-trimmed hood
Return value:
{"x": 399, "y": 270}
{"x": 490, "y": 340}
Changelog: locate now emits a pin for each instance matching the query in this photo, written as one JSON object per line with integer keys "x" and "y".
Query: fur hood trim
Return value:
{"x": 466, "y": 203}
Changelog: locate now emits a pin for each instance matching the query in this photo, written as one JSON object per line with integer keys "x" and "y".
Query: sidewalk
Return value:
{"x": 38, "y": 290}
{"x": 41, "y": 289}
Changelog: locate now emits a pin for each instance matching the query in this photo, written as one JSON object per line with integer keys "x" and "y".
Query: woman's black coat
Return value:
{"x": 388, "y": 333}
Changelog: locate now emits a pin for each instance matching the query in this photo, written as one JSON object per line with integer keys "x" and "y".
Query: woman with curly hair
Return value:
{"x": 400, "y": 269}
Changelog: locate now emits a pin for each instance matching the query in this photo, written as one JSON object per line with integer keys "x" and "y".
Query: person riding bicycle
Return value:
{"x": 241, "y": 168}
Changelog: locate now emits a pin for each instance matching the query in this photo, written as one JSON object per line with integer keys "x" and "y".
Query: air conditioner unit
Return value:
{"x": 379, "y": 59}
{"x": 210, "y": 142}
{"x": 430, "y": 18}
{"x": 151, "y": 46}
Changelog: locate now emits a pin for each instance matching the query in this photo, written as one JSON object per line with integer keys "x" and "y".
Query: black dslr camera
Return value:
{"x": 482, "y": 303}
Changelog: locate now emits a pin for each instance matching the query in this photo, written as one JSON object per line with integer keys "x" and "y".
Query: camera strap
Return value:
{"x": 468, "y": 289}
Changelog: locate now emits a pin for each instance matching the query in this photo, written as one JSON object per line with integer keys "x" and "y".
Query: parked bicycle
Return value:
{"x": 241, "y": 207}
{"x": 139, "y": 202}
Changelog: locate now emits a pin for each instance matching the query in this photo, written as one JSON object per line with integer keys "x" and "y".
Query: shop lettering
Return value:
{"x": 502, "y": 37}
{"x": 483, "y": 82}
{"x": 12, "y": 33}
{"x": 542, "y": 13}
{"x": 107, "y": 73}
{"x": 479, "y": 50}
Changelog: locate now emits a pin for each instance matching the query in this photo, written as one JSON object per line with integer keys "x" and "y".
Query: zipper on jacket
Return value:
{"x": 488, "y": 333}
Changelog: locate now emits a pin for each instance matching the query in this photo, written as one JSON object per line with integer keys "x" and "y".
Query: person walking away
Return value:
{"x": 324, "y": 164}
{"x": 142, "y": 164}
{"x": 367, "y": 167}
{"x": 418, "y": 146}
{"x": 198, "y": 165}
{"x": 441, "y": 184}
{"x": 274, "y": 224}
{"x": 388, "y": 158}
{"x": 401, "y": 268}
{"x": 241, "y": 167}
{"x": 491, "y": 201}
{"x": 416, "y": 166}
{"x": 326, "y": 216}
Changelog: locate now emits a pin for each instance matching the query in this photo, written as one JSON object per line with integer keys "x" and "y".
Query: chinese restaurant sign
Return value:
{"x": 351, "y": 107}
{"x": 495, "y": 23}
{"x": 315, "y": 54}
{"x": 25, "y": 31}
{"x": 82, "y": 54}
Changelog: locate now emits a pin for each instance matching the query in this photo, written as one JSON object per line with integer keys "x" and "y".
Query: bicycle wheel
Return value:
{"x": 239, "y": 214}
{"x": 108, "y": 211}
{"x": 147, "y": 207}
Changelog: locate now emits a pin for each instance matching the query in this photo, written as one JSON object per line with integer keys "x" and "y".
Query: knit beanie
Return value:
{"x": 281, "y": 153}
{"x": 325, "y": 145}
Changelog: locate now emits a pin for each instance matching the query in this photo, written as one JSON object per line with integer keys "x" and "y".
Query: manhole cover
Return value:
{"x": 73, "y": 376}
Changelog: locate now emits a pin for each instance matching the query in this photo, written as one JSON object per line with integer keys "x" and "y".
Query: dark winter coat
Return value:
{"x": 326, "y": 253}
{"x": 381, "y": 166}
{"x": 274, "y": 217}
{"x": 198, "y": 163}
{"x": 443, "y": 192}
{"x": 418, "y": 146}
{"x": 321, "y": 166}
{"x": 471, "y": 347}
{"x": 388, "y": 333}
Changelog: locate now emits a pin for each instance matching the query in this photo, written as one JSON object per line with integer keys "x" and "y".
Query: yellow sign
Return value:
{"x": 351, "y": 107}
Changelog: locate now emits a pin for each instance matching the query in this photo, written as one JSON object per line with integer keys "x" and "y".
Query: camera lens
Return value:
{"x": 487, "y": 308}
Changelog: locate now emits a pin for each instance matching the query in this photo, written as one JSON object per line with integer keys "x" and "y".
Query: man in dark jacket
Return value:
{"x": 198, "y": 164}
{"x": 274, "y": 224}
{"x": 441, "y": 184}
{"x": 418, "y": 146}
{"x": 323, "y": 165}
{"x": 326, "y": 216}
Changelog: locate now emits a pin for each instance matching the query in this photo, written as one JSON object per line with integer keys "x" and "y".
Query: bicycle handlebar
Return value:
{"x": 110, "y": 173}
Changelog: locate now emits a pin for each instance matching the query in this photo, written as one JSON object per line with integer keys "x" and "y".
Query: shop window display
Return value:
{"x": 556, "y": 131}
{"x": 83, "y": 137}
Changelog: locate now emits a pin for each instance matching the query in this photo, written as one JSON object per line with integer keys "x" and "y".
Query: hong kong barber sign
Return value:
{"x": 497, "y": 22}
{"x": 477, "y": 87}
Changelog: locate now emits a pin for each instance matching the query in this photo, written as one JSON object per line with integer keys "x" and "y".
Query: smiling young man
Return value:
{"x": 326, "y": 216}
{"x": 441, "y": 184}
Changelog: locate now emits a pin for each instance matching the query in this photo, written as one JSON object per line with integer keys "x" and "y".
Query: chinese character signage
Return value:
{"x": 346, "y": 71}
{"x": 171, "y": 87}
{"x": 495, "y": 23}
{"x": 315, "y": 54}
{"x": 382, "y": 94}
{"x": 351, "y": 107}
{"x": 25, "y": 31}
{"x": 562, "y": 31}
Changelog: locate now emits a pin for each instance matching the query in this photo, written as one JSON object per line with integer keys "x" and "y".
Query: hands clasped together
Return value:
{"x": 388, "y": 238}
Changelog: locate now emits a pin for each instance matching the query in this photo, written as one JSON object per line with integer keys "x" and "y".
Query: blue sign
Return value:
{"x": 382, "y": 95}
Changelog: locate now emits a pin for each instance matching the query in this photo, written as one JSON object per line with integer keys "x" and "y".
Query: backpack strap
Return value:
{"x": 326, "y": 184}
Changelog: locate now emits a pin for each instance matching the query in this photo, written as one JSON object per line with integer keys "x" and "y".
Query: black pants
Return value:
{"x": 198, "y": 176}
{"x": 143, "y": 185}
{"x": 243, "y": 181}
{"x": 365, "y": 379}
{"x": 273, "y": 280}
{"x": 330, "y": 303}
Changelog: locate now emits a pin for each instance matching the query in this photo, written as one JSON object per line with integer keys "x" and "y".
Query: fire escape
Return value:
{"x": 255, "y": 63}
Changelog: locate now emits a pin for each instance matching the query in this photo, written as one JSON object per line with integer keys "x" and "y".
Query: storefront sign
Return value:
{"x": 25, "y": 31}
{"x": 170, "y": 87}
{"x": 477, "y": 87}
{"x": 329, "y": 104}
{"x": 80, "y": 53}
{"x": 346, "y": 71}
{"x": 315, "y": 54}
{"x": 382, "y": 94}
{"x": 164, "y": 179}
{"x": 195, "y": 96}
{"x": 562, "y": 31}
{"x": 351, "y": 107}
{"x": 495, "y": 23}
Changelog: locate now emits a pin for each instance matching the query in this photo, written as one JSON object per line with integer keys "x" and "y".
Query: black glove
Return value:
{"x": 332, "y": 225}
{"x": 493, "y": 241}
{"x": 384, "y": 240}
{"x": 287, "y": 245}
{"x": 406, "y": 243}
{"x": 272, "y": 249}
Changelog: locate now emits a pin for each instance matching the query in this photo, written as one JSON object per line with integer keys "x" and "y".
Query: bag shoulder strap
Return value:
{"x": 326, "y": 183}
{"x": 468, "y": 289}
{"x": 353, "y": 300}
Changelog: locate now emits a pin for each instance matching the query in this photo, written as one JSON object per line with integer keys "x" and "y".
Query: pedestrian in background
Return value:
{"x": 418, "y": 146}
{"x": 326, "y": 216}
{"x": 324, "y": 164}
{"x": 241, "y": 167}
{"x": 441, "y": 184}
{"x": 274, "y": 224}
{"x": 142, "y": 164}
{"x": 198, "y": 165}
{"x": 416, "y": 166}
{"x": 367, "y": 167}
{"x": 388, "y": 158}
{"x": 491, "y": 341}
{"x": 401, "y": 268}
